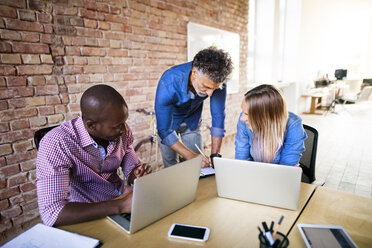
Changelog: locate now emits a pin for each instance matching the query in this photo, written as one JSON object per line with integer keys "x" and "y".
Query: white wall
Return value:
{"x": 335, "y": 34}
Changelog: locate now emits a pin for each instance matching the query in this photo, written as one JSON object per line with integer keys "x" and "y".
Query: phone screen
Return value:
{"x": 187, "y": 231}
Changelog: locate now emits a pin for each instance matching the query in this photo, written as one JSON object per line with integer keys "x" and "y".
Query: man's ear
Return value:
{"x": 91, "y": 125}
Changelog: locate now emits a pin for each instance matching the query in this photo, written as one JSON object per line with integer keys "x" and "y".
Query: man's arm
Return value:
{"x": 216, "y": 144}
{"x": 76, "y": 212}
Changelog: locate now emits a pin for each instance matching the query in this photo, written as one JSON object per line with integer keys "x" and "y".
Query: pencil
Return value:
{"x": 277, "y": 226}
{"x": 202, "y": 153}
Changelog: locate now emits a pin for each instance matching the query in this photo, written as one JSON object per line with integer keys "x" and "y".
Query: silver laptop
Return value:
{"x": 159, "y": 194}
{"x": 262, "y": 183}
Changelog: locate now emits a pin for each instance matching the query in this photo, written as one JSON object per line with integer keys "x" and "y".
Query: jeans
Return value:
{"x": 189, "y": 139}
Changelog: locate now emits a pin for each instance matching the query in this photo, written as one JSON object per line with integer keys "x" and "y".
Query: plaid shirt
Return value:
{"x": 71, "y": 167}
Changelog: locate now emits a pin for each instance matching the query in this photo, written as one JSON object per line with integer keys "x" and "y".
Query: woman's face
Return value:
{"x": 244, "y": 116}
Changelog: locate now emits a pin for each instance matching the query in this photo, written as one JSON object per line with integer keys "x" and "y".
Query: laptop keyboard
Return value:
{"x": 126, "y": 216}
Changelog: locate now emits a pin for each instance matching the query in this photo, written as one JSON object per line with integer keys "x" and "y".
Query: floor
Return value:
{"x": 344, "y": 157}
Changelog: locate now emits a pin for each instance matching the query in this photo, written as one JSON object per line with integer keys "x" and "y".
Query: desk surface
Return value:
{"x": 232, "y": 223}
{"x": 331, "y": 207}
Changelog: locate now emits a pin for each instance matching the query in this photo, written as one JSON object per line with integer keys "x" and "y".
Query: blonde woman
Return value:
{"x": 266, "y": 131}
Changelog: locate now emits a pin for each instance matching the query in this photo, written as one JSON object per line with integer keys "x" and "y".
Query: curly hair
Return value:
{"x": 213, "y": 62}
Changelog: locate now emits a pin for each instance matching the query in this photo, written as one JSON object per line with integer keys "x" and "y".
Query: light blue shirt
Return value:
{"x": 289, "y": 153}
{"x": 175, "y": 104}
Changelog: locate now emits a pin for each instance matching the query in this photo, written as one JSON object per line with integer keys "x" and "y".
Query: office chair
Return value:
{"x": 362, "y": 96}
{"x": 39, "y": 134}
{"x": 308, "y": 159}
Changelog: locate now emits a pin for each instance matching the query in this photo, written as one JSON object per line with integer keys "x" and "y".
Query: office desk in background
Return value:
{"x": 332, "y": 207}
{"x": 232, "y": 223}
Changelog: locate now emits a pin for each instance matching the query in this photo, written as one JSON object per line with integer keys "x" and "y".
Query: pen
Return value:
{"x": 271, "y": 226}
{"x": 263, "y": 235}
{"x": 277, "y": 226}
{"x": 267, "y": 233}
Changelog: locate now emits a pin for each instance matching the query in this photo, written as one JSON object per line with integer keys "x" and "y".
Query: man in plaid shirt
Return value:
{"x": 77, "y": 162}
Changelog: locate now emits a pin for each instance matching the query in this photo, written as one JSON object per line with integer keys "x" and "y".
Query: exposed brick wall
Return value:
{"x": 51, "y": 51}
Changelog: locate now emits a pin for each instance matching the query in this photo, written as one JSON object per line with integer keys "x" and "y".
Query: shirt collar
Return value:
{"x": 84, "y": 136}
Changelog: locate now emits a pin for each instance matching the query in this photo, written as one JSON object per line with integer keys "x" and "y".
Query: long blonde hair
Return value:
{"x": 267, "y": 116}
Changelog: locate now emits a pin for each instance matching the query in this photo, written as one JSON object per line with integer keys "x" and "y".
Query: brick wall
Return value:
{"x": 51, "y": 51}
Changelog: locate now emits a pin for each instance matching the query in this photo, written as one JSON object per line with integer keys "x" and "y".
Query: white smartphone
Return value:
{"x": 182, "y": 231}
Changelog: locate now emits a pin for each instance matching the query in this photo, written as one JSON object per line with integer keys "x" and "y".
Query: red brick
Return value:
{"x": 34, "y": 69}
{"x": 19, "y": 124}
{"x": 114, "y": 35}
{"x": 17, "y": 114}
{"x": 30, "y": 206}
{"x": 30, "y": 215}
{"x": 54, "y": 119}
{"x": 44, "y": 17}
{"x": 16, "y": 200}
{"x": 48, "y": 28}
{"x": 36, "y": 80}
{"x": 7, "y": 70}
{"x": 8, "y": 192}
{"x": 117, "y": 69}
{"x": 17, "y": 180}
{"x": 103, "y": 7}
{"x": 90, "y": 23}
{"x": 10, "y": 35}
{"x": 62, "y": 10}
{"x": 26, "y": 15}
{"x": 4, "y": 204}
{"x": 46, "y": 90}
{"x": 2, "y": 82}
{"x": 88, "y": 51}
{"x": 116, "y": 18}
{"x": 14, "y": 136}
{"x": 72, "y": 51}
{"x": 37, "y": 121}
{"x": 32, "y": 175}
{"x": 50, "y": 79}
{"x": 60, "y": 109}
{"x": 74, "y": 107}
{"x": 30, "y": 36}
{"x": 3, "y": 106}
{"x": 2, "y": 161}
{"x": 5, "y": 149}
{"x": 46, "y": 38}
{"x": 6, "y": 11}
{"x": 11, "y": 59}
{"x": 28, "y": 165}
{"x": 16, "y": 81}
{"x": 88, "y": 32}
{"x": 65, "y": 30}
{"x": 17, "y": 103}
{"x": 67, "y": 70}
{"x": 11, "y": 212}
{"x": 94, "y": 69}
{"x": 47, "y": 110}
{"x": 21, "y": 47}
{"x": 23, "y": 25}
{"x": 2, "y": 183}
{"x": 58, "y": 51}
{"x": 19, "y": 157}
{"x": 77, "y": 21}
{"x": 117, "y": 53}
{"x": 88, "y": 13}
{"x": 22, "y": 146}
{"x": 30, "y": 59}
{"x": 5, "y": 47}
{"x": 90, "y": 5}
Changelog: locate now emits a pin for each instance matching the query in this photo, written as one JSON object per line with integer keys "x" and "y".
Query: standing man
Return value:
{"x": 179, "y": 104}
{"x": 77, "y": 162}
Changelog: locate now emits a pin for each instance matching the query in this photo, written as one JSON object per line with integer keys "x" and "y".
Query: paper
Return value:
{"x": 40, "y": 236}
{"x": 207, "y": 171}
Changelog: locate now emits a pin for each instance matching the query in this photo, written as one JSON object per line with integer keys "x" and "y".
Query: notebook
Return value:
{"x": 159, "y": 194}
{"x": 262, "y": 183}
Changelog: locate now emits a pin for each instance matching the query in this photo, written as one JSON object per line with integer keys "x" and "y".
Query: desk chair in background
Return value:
{"x": 363, "y": 96}
{"x": 39, "y": 134}
{"x": 308, "y": 159}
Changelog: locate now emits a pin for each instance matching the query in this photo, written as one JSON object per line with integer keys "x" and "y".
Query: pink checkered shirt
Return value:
{"x": 71, "y": 168}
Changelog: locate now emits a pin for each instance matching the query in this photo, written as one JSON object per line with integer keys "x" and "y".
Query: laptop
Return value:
{"x": 263, "y": 183}
{"x": 159, "y": 194}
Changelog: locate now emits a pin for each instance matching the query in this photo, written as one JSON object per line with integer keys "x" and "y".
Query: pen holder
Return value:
{"x": 281, "y": 243}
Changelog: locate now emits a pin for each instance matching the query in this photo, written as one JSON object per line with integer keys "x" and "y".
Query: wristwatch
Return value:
{"x": 213, "y": 155}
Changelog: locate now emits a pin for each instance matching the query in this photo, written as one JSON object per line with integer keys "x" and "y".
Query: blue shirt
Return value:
{"x": 175, "y": 104}
{"x": 289, "y": 153}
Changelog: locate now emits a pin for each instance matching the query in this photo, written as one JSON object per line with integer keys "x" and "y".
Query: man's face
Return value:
{"x": 203, "y": 85}
{"x": 114, "y": 125}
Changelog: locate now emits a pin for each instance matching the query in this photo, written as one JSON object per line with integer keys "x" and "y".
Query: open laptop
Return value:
{"x": 262, "y": 183}
{"x": 159, "y": 194}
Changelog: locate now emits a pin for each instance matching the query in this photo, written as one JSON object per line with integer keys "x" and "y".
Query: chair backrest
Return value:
{"x": 308, "y": 159}
{"x": 39, "y": 134}
{"x": 365, "y": 94}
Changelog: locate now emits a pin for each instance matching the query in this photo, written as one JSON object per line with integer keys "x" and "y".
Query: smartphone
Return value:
{"x": 196, "y": 233}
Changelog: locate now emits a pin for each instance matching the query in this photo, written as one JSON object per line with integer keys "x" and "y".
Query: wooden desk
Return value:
{"x": 316, "y": 102}
{"x": 332, "y": 207}
{"x": 232, "y": 223}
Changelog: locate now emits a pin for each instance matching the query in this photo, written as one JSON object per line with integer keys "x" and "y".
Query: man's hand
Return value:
{"x": 139, "y": 171}
{"x": 125, "y": 202}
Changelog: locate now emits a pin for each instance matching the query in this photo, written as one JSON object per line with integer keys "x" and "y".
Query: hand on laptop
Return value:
{"x": 139, "y": 171}
{"x": 125, "y": 201}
